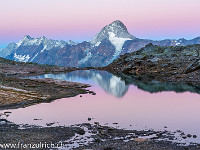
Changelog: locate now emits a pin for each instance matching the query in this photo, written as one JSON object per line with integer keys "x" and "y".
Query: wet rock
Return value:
{"x": 111, "y": 129}
{"x": 97, "y": 123}
{"x": 80, "y": 131}
{"x": 108, "y": 148}
{"x": 154, "y": 138}
{"x": 189, "y": 135}
{"x": 103, "y": 132}
{"x": 37, "y": 119}
{"x": 50, "y": 124}
{"x": 184, "y": 137}
{"x": 7, "y": 112}
{"x": 97, "y": 139}
{"x": 94, "y": 131}
{"x": 194, "y": 136}
{"x": 3, "y": 120}
{"x": 100, "y": 128}
{"x": 171, "y": 137}
{"x": 87, "y": 125}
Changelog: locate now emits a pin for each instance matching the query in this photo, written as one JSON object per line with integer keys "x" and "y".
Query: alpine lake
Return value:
{"x": 131, "y": 105}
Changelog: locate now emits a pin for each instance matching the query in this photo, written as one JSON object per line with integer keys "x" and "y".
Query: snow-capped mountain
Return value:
{"x": 28, "y": 48}
{"x": 70, "y": 42}
{"x": 116, "y": 32}
{"x": 136, "y": 44}
{"x": 47, "y": 43}
{"x": 8, "y": 50}
{"x": 111, "y": 42}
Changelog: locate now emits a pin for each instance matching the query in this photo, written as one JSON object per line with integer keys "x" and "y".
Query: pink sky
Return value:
{"x": 80, "y": 20}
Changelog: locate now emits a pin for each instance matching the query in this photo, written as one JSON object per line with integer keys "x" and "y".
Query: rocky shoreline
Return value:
{"x": 90, "y": 136}
{"x": 18, "y": 92}
{"x": 15, "y": 93}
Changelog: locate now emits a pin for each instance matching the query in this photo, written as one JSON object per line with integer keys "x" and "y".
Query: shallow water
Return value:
{"x": 137, "y": 105}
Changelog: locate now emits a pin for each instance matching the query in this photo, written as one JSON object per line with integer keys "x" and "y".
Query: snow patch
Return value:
{"x": 19, "y": 43}
{"x": 70, "y": 42}
{"x": 47, "y": 43}
{"x": 34, "y": 57}
{"x": 22, "y": 58}
{"x": 89, "y": 55}
{"x": 98, "y": 43}
{"x": 118, "y": 43}
{"x": 45, "y": 47}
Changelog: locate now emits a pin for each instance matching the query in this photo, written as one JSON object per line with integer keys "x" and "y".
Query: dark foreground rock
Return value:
{"x": 167, "y": 63}
{"x": 110, "y": 138}
{"x": 24, "y": 135}
{"x": 87, "y": 136}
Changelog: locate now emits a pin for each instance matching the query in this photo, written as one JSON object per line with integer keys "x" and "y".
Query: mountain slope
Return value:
{"x": 27, "y": 49}
{"x": 161, "y": 63}
{"x": 111, "y": 42}
{"x": 116, "y": 33}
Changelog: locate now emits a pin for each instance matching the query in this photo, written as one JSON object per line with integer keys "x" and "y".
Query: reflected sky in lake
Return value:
{"x": 143, "y": 105}
{"x": 118, "y": 86}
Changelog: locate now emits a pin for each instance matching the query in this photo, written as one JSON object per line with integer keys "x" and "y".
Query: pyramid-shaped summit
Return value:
{"x": 118, "y": 25}
{"x": 116, "y": 29}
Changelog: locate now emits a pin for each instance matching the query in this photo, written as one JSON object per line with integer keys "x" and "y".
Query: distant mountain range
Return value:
{"x": 111, "y": 42}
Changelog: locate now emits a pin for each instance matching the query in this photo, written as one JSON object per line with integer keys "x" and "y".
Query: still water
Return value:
{"x": 132, "y": 104}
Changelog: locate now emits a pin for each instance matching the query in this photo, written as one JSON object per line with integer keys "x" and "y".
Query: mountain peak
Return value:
{"x": 115, "y": 29}
{"x": 118, "y": 24}
{"x": 47, "y": 43}
{"x": 44, "y": 38}
{"x": 70, "y": 42}
{"x": 27, "y": 37}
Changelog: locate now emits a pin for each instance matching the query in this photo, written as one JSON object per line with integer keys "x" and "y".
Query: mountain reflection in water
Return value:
{"x": 118, "y": 86}
{"x": 108, "y": 82}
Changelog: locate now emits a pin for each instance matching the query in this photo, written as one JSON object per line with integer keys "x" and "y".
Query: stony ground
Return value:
{"x": 87, "y": 136}
{"x": 172, "y": 64}
{"x": 16, "y": 92}
{"x": 26, "y": 134}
